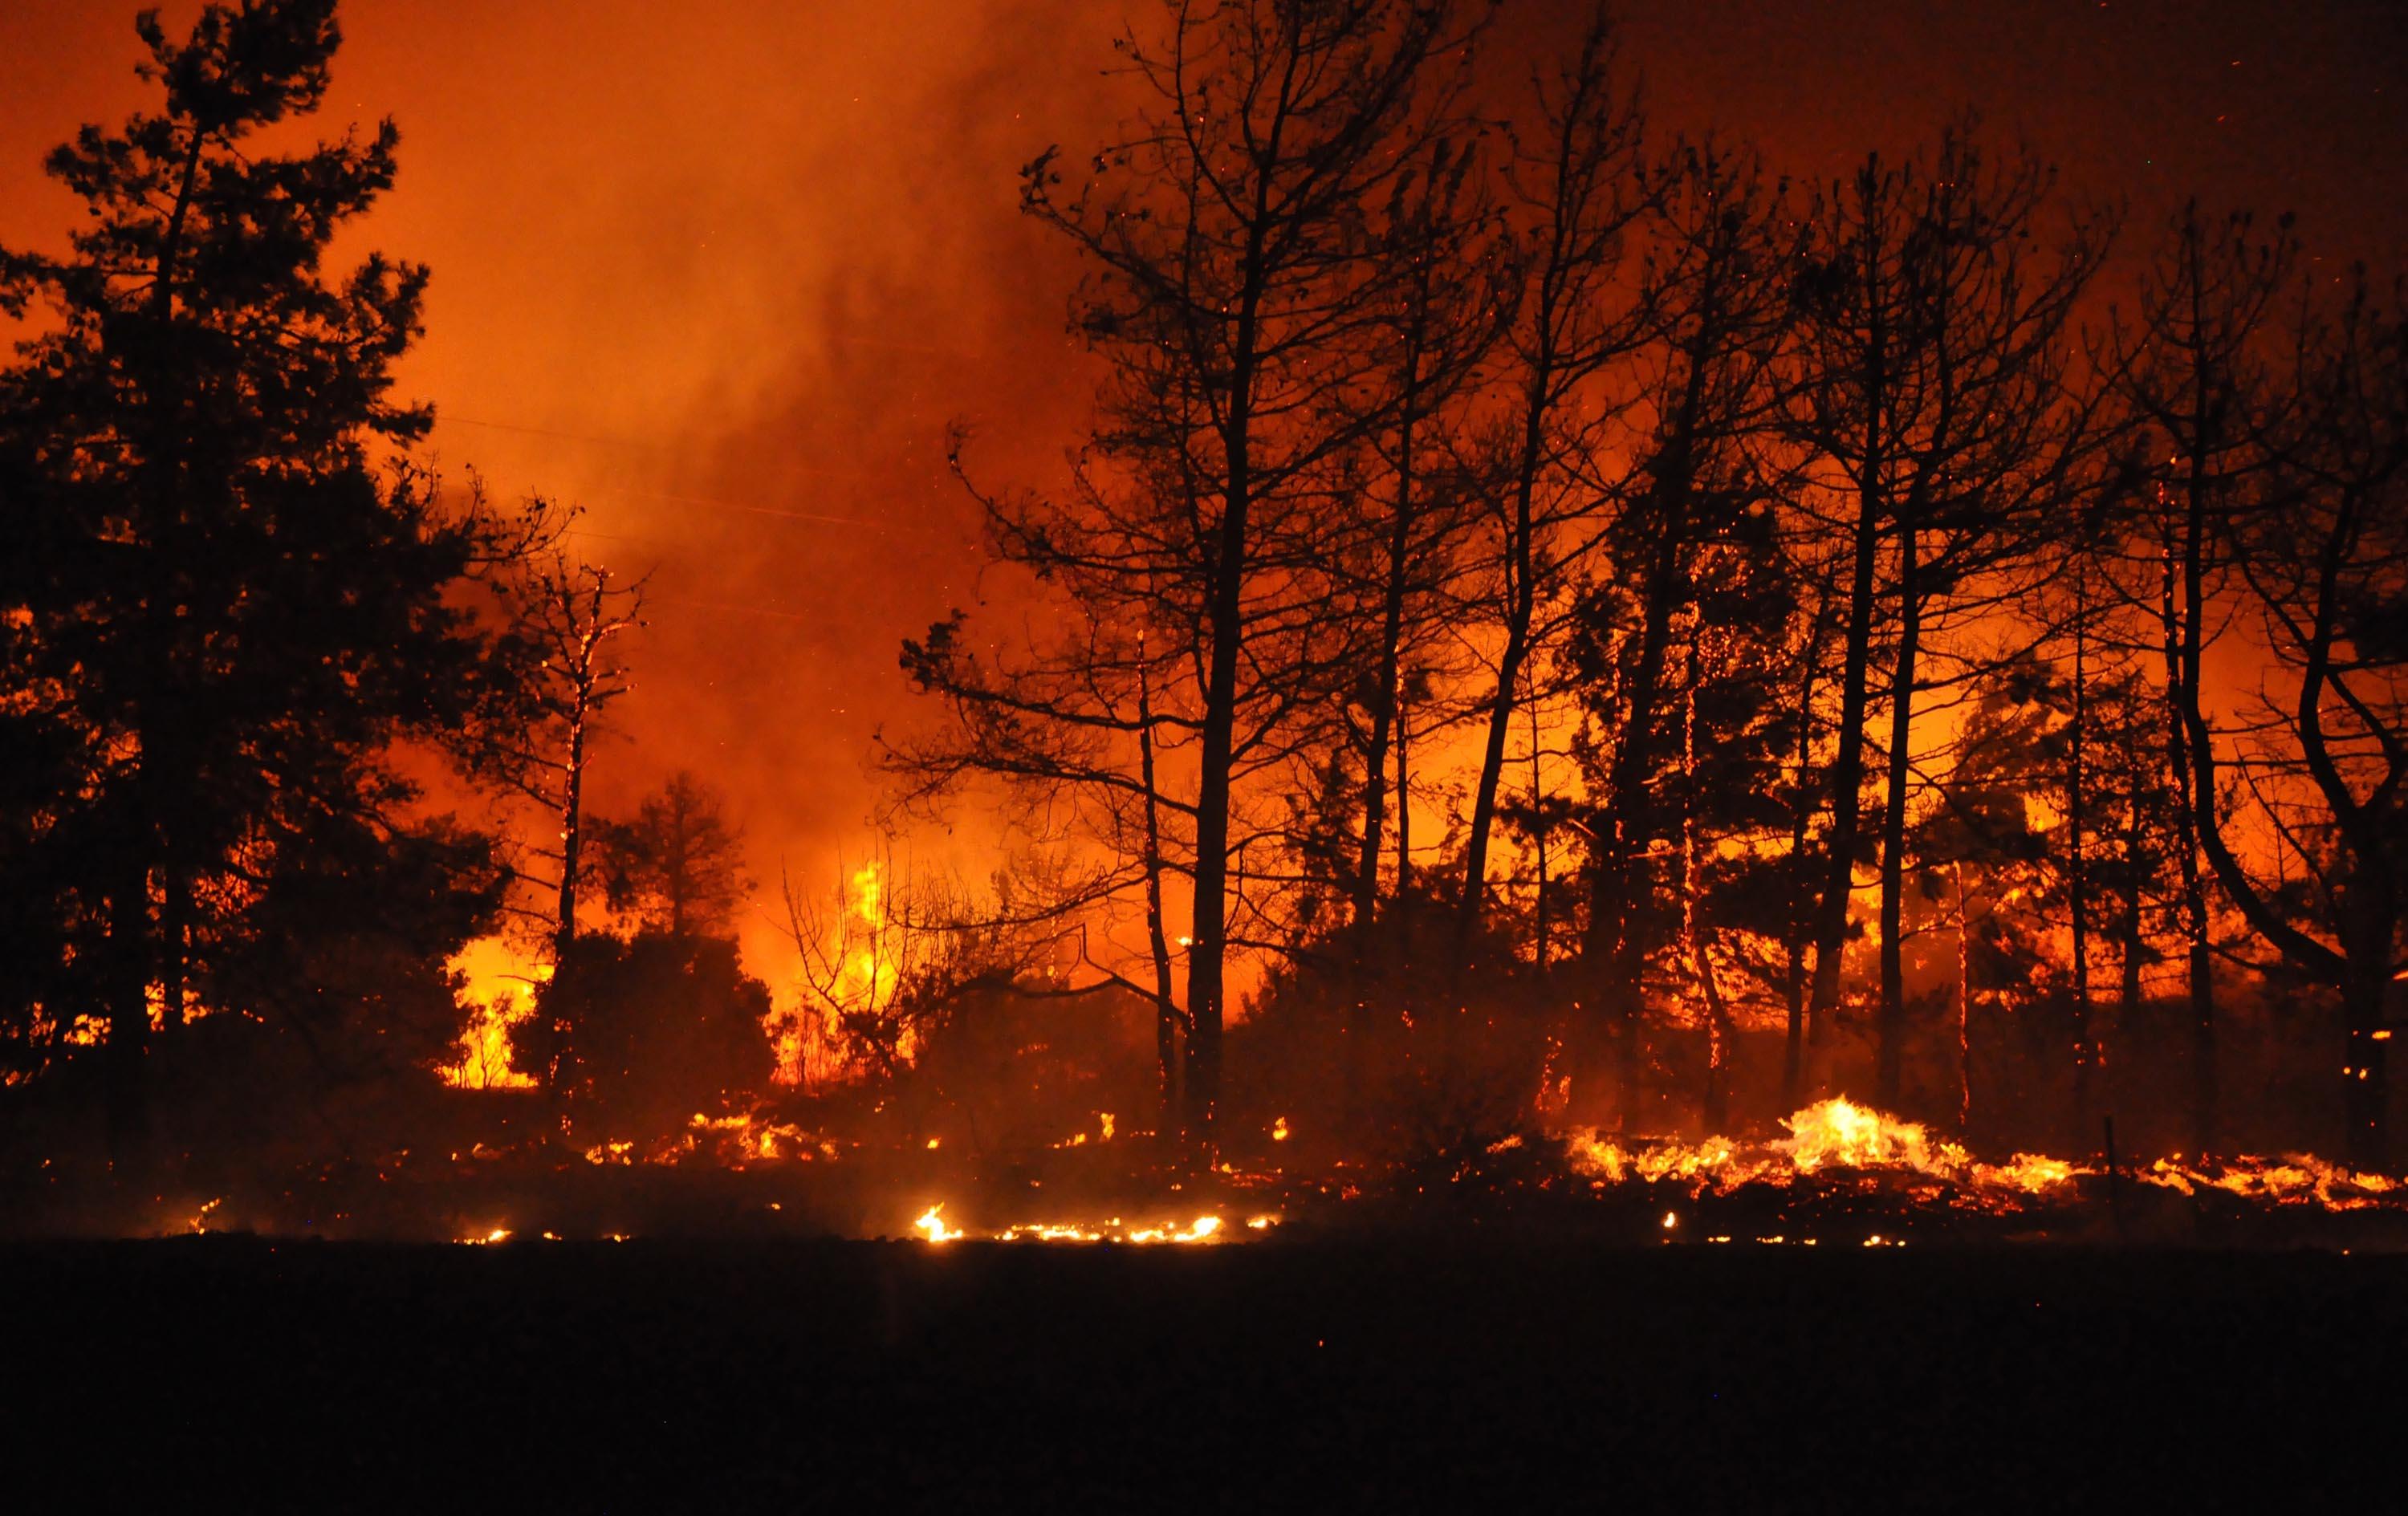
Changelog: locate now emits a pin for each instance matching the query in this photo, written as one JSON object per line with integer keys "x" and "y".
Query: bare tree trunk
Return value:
{"x": 2077, "y": 873}
{"x": 1521, "y": 607}
{"x": 1715, "y": 1108}
{"x": 2199, "y": 961}
{"x": 1616, "y": 953}
{"x": 572, "y": 829}
{"x": 1591, "y": 143}
{"x": 1166, "y": 1009}
{"x": 1209, "y": 948}
{"x": 1208, "y": 944}
{"x": 1404, "y": 815}
{"x": 2132, "y": 946}
{"x": 1847, "y": 764}
{"x": 1543, "y": 921}
{"x": 1890, "y": 1028}
{"x": 1796, "y": 927}
{"x": 1964, "y": 1009}
{"x": 1392, "y": 626}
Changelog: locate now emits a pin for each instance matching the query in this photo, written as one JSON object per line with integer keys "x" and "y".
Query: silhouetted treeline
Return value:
{"x": 1581, "y": 626}
{"x": 1886, "y": 611}
{"x": 256, "y": 659}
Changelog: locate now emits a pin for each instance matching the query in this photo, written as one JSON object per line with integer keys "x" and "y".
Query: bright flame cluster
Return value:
{"x": 808, "y": 1037}
{"x": 1835, "y": 1134}
{"x": 933, "y": 1227}
{"x": 483, "y": 1051}
{"x": 2292, "y": 1180}
{"x": 1841, "y": 1135}
{"x": 729, "y": 1140}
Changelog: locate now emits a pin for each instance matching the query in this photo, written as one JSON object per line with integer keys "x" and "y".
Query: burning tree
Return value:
{"x": 945, "y": 998}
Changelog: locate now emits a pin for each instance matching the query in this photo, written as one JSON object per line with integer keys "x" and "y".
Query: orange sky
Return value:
{"x": 721, "y": 270}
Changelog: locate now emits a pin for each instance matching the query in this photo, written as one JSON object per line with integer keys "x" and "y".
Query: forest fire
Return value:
{"x": 1304, "y": 754}
{"x": 1611, "y": 676}
{"x": 1836, "y": 1171}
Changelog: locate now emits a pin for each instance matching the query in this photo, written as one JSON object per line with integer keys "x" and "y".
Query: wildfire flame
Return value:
{"x": 732, "y": 1141}
{"x": 807, "y": 1037}
{"x": 933, "y": 1227}
{"x": 1841, "y": 1135}
{"x": 484, "y": 1047}
{"x": 2292, "y": 1180}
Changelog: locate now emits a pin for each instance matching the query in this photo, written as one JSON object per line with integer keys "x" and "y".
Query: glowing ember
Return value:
{"x": 1829, "y": 1136}
{"x": 1840, "y": 1136}
{"x": 2292, "y": 1180}
{"x": 933, "y": 1227}
{"x": 1839, "y": 1133}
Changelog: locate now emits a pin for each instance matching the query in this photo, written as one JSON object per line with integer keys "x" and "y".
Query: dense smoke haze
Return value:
{"x": 721, "y": 273}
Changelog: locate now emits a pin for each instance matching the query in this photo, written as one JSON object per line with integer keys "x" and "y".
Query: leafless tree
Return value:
{"x": 2193, "y": 373}
{"x": 571, "y": 621}
{"x": 1574, "y": 188}
{"x": 1234, "y": 290}
{"x": 1936, "y": 402}
{"x": 2317, "y": 551}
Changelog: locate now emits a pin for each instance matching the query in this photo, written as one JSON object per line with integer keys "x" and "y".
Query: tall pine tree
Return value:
{"x": 226, "y": 604}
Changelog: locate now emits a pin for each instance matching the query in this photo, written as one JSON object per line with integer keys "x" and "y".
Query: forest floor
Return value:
{"x": 1468, "y": 1369}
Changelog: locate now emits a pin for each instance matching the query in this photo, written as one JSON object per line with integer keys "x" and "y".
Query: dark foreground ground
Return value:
{"x": 1456, "y": 1372}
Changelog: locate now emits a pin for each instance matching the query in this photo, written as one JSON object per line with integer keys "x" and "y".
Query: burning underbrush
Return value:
{"x": 1842, "y": 1163}
{"x": 1835, "y": 1173}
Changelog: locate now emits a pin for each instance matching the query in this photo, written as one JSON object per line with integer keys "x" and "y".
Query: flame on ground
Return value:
{"x": 933, "y": 1227}
{"x": 1838, "y": 1135}
{"x": 729, "y": 1141}
{"x": 1835, "y": 1134}
{"x": 2292, "y": 1180}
